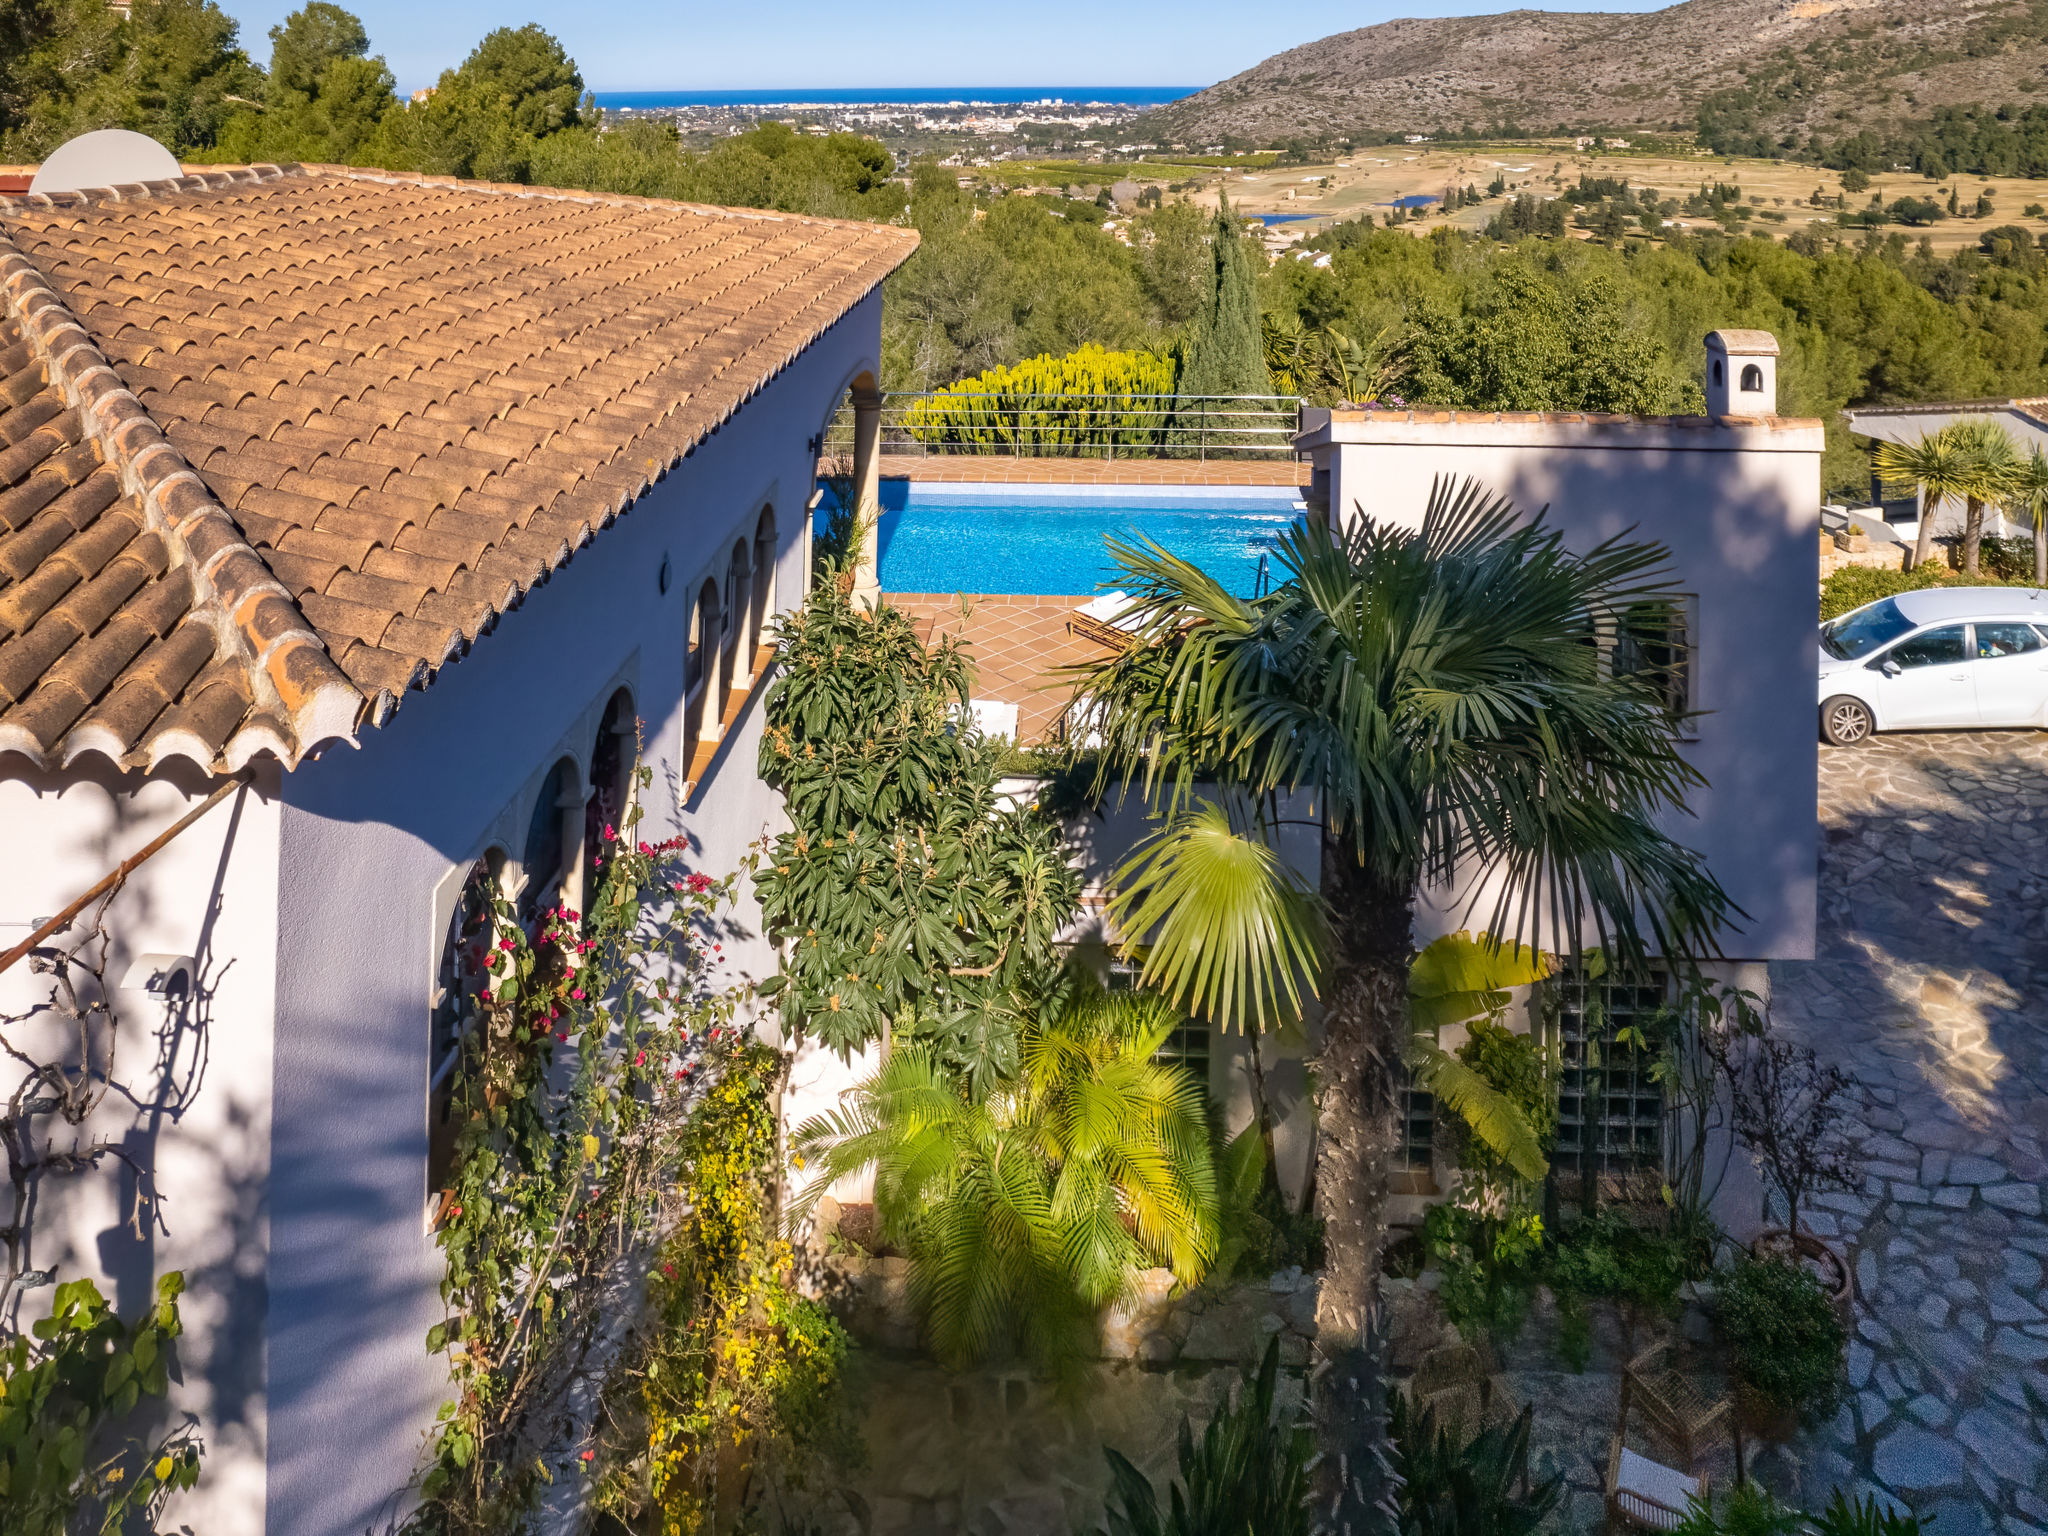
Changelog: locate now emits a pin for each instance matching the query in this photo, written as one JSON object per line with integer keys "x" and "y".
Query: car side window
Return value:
{"x": 1995, "y": 640}
{"x": 1936, "y": 648}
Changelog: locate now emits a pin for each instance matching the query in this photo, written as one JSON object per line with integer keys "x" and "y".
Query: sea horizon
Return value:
{"x": 907, "y": 95}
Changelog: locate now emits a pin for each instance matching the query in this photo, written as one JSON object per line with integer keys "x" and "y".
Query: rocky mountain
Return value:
{"x": 1778, "y": 67}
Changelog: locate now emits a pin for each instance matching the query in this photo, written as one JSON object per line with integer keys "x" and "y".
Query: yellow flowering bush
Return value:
{"x": 740, "y": 1377}
{"x": 1090, "y": 401}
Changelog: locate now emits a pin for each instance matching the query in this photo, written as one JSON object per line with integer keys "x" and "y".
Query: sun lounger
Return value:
{"x": 1104, "y": 621}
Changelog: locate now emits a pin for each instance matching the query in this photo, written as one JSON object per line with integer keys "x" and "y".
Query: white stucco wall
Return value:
{"x": 1903, "y": 424}
{"x": 369, "y": 836}
{"x": 200, "y": 1075}
{"x": 1738, "y": 504}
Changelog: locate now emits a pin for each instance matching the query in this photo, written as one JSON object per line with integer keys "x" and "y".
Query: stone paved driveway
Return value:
{"x": 1929, "y": 989}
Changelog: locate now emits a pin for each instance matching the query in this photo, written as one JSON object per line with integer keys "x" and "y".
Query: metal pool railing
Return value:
{"x": 1081, "y": 426}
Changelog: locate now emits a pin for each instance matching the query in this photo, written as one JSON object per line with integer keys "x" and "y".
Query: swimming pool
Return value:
{"x": 1048, "y": 541}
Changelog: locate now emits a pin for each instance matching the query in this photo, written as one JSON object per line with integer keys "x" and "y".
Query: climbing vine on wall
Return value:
{"x": 735, "y": 1394}
{"x": 588, "y": 1040}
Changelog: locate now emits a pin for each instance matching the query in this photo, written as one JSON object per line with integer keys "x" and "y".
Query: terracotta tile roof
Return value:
{"x": 406, "y": 399}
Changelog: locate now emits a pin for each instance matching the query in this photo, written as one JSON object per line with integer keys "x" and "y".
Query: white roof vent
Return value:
{"x": 108, "y": 157}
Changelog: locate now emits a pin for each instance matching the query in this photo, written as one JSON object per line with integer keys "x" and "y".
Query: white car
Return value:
{"x": 1942, "y": 659}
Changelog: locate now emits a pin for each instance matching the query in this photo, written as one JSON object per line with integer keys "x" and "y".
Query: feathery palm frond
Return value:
{"x": 2029, "y": 499}
{"x": 1455, "y": 980}
{"x": 1027, "y": 1210}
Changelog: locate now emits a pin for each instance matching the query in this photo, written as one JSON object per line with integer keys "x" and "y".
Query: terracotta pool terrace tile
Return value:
{"x": 1017, "y": 644}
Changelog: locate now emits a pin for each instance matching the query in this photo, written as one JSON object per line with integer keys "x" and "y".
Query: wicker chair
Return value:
{"x": 1675, "y": 1410}
{"x": 1461, "y": 1382}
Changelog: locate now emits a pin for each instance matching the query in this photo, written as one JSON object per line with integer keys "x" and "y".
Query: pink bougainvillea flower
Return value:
{"x": 669, "y": 1270}
{"x": 640, "y": 1060}
{"x": 507, "y": 943}
{"x": 483, "y": 994}
{"x": 563, "y": 1038}
{"x": 577, "y": 994}
{"x": 610, "y": 831}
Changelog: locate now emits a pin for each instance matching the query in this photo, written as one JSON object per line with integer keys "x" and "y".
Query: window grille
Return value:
{"x": 1187, "y": 1046}
{"x": 1656, "y": 643}
{"x": 1610, "y": 1113}
{"x": 1415, "y": 1127}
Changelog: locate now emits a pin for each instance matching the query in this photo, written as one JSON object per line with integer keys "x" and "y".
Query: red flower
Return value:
{"x": 640, "y": 1060}
{"x": 506, "y": 944}
{"x": 563, "y": 1038}
{"x": 483, "y": 994}
{"x": 590, "y": 1455}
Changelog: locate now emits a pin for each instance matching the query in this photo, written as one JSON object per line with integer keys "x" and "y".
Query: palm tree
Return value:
{"x": 1436, "y": 704}
{"x": 2028, "y": 498}
{"x": 1971, "y": 460}
{"x": 1027, "y": 1211}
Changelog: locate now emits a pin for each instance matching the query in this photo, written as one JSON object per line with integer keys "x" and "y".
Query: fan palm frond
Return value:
{"x": 1233, "y": 933}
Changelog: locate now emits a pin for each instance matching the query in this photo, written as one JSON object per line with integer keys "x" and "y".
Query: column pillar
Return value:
{"x": 867, "y": 495}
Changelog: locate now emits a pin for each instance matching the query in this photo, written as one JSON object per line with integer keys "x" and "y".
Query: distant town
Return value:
{"x": 966, "y": 132}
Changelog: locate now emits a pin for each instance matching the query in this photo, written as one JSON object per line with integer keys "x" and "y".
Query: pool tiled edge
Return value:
{"x": 994, "y": 469}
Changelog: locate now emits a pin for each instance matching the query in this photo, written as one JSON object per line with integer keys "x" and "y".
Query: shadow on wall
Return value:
{"x": 178, "y": 1189}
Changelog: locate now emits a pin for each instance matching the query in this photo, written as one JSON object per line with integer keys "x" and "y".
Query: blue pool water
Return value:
{"x": 1048, "y": 542}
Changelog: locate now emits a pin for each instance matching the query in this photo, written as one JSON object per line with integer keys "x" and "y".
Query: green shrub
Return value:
{"x": 1863, "y": 1517}
{"x": 1749, "y": 1509}
{"x": 1247, "y": 1473}
{"x": 1451, "y": 1486}
{"x": 2008, "y": 560}
{"x": 1854, "y": 585}
{"x": 1512, "y": 1065}
{"x": 1092, "y": 400}
{"x": 1786, "y": 1342}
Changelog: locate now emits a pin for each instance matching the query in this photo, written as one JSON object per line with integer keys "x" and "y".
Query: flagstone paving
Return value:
{"x": 1928, "y": 990}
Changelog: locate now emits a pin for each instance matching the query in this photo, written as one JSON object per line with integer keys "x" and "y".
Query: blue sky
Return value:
{"x": 658, "y": 44}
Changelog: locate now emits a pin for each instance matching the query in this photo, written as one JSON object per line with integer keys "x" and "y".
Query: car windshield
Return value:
{"x": 1859, "y": 633}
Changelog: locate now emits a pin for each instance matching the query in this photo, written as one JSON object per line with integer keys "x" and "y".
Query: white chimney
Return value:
{"x": 1742, "y": 373}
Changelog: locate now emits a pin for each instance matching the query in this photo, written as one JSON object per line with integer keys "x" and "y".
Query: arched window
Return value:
{"x": 764, "y": 580}
{"x": 738, "y": 577}
{"x": 457, "y": 980}
{"x": 547, "y": 833}
{"x": 611, "y": 761}
{"x": 1752, "y": 379}
{"x": 1717, "y": 370}
{"x": 697, "y": 668}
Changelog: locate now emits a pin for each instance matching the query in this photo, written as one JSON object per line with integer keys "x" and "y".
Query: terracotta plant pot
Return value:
{"x": 1763, "y": 1419}
{"x": 1830, "y": 1267}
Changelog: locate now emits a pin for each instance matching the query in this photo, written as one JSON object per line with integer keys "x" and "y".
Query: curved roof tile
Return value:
{"x": 332, "y": 423}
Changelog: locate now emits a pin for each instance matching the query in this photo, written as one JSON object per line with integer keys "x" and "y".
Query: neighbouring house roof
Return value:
{"x": 2033, "y": 407}
{"x": 351, "y": 417}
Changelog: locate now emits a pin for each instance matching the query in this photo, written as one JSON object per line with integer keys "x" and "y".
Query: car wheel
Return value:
{"x": 1845, "y": 721}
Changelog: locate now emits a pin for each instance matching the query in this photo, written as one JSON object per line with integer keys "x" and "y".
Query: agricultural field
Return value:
{"x": 1778, "y": 192}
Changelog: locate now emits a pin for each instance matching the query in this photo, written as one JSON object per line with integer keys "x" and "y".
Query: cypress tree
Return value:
{"x": 1227, "y": 355}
